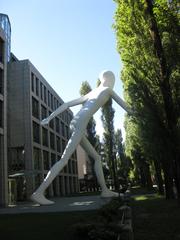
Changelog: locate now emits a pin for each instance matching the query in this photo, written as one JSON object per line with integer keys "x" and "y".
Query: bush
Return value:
{"x": 104, "y": 226}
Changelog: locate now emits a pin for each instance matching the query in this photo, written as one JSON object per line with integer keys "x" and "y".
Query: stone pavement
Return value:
{"x": 62, "y": 204}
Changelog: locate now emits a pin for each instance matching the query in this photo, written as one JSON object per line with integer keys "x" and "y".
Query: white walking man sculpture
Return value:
{"x": 91, "y": 102}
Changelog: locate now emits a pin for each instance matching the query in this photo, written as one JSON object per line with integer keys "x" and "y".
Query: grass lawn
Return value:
{"x": 155, "y": 218}
{"x": 139, "y": 190}
{"x": 42, "y": 226}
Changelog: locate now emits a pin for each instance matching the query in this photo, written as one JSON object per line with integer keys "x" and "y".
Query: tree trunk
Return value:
{"x": 142, "y": 177}
{"x": 177, "y": 180}
{"x": 168, "y": 179}
{"x": 147, "y": 173}
{"x": 159, "y": 178}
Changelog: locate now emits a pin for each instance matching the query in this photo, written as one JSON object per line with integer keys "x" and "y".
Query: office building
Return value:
{"x": 5, "y": 33}
{"x": 32, "y": 148}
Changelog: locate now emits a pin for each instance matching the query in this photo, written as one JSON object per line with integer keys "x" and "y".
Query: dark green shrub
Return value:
{"x": 103, "y": 226}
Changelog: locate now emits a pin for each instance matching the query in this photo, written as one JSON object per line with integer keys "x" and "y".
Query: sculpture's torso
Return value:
{"x": 96, "y": 99}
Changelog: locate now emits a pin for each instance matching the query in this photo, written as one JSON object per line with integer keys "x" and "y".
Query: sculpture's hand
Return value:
{"x": 45, "y": 121}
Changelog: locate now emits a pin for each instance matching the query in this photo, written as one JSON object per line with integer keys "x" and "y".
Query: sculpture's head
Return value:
{"x": 107, "y": 79}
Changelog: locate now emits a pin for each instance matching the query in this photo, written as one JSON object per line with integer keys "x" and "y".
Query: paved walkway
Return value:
{"x": 62, "y": 204}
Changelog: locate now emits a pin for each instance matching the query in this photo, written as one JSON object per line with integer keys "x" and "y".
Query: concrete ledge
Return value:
{"x": 125, "y": 225}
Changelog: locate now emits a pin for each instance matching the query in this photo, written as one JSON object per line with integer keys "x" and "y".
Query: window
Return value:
{"x": 45, "y": 97}
{"x": 32, "y": 81}
{"x": 37, "y": 180}
{"x": 36, "y": 132}
{"x": 57, "y": 125}
{"x": 16, "y": 160}
{"x": 53, "y": 159}
{"x": 62, "y": 129}
{"x": 48, "y": 98}
{"x": 63, "y": 144}
{"x": 75, "y": 155}
{"x": 46, "y": 160}
{"x": 52, "y": 102}
{"x": 67, "y": 132}
{"x": 1, "y": 114}
{"x": 52, "y": 141}
{"x": 55, "y": 103}
{"x": 1, "y": 81}
{"x": 41, "y": 90}
{"x": 37, "y": 86}
{"x": 45, "y": 136}
{"x": 51, "y": 123}
{"x": 69, "y": 118}
{"x": 35, "y": 108}
{"x": 65, "y": 116}
{"x": 37, "y": 158}
{"x": 65, "y": 169}
{"x": 43, "y": 112}
{"x": 58, "y": 144}
{"x": 70, "y": 166}
{"x": 73, "y": 167}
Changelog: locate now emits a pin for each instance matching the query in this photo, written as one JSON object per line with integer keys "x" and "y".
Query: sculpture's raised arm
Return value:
{"x": 63, "y": 107}
{"x": 121, "y": 102}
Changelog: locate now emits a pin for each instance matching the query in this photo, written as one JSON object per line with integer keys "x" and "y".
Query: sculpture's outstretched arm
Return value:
{"x": 63, "y": 107}
{"x": 121, "y": 103}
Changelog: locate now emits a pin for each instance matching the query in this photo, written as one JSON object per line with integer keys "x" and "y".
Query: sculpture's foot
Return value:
{"x": 109, "y": 194}
{"x": 40, "y": 198}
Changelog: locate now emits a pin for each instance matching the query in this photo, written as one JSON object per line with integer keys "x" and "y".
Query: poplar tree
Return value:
{"x": 109, "y": 140}
{"x": 147, "y": 34}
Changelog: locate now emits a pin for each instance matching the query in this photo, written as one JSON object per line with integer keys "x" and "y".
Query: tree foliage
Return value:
{"x": 108, "y": 138}
{"x": 147, "y": 34}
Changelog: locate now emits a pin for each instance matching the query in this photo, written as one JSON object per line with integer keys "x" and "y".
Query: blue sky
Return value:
{"x": 68, "y": 42}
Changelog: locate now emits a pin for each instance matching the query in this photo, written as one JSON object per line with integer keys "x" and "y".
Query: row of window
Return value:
{"x": 16, "y": 161}
{"x": 47, "y": 160}
{"x": 40, "y": 90}
{"x": 40, "y": 112}
{"x": 56, "y": 124}
{"x": 66, "y": 185}
{"x": 48, "y": 138}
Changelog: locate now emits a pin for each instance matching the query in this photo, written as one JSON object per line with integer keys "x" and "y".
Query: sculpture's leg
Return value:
{"x": 98, "y": 168}
{"x": 38, "y": 195}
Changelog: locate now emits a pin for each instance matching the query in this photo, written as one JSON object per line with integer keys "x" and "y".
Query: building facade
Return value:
{"x": 86, "y": 173}
{"x": 5, "y": 32}
{"x": 32, "y": 148}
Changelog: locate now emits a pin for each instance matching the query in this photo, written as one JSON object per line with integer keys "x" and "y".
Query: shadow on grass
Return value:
{"x": 155, "y": 218}
{"x": 140, "y": 190}
{"x": 44, "y": 226}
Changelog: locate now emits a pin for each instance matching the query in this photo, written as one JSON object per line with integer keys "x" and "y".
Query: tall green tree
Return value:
{"x": 148, "y": 41}
{"x": 108, "y": 139}
{"x": 123, "y": 163}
